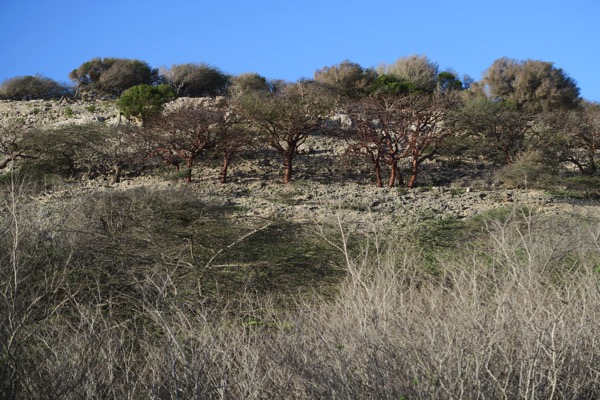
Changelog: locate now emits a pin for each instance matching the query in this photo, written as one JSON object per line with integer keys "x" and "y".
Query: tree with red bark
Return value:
{"x": 389, "y": 129}
{"x": 375, "y": 136}
{"x": 285, "y": 119}
{"x": 425, "y": 129}
{"x": 185, "y": 134}
{"x": 232, "y": 138}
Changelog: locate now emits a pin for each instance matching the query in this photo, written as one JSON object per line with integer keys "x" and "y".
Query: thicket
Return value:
{"x": 155, "y": 294}
{"x": 392, "y": 136}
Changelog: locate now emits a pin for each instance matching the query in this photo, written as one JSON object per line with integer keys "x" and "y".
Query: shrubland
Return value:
{"x": 146, "y": 293}
{"x": 122, "y": 276}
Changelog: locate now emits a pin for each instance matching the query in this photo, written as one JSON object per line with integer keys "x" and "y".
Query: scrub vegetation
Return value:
{"x": 131, "y": 268}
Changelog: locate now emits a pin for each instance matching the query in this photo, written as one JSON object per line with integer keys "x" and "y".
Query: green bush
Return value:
{"x": 390, "y": 84}
{"x": 144, "y": 101}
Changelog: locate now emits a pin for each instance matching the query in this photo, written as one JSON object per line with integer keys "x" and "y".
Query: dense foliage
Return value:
{"x": 111, "y": 76}
{"x": 32, "y": 88}
{"x": 196, "y": 80}
{"x": 144, "y": 101}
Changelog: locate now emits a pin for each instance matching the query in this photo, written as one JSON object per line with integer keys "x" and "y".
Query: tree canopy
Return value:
{"x": 196, "y": 80}
{"x": 420, "y": 71}
{"x": 348, "y": 78}
{"x": 144, "y": 101}
{"x": 112, "y": 75}
{"x": 32, "y": 87}
{"x": 531, "y": 84}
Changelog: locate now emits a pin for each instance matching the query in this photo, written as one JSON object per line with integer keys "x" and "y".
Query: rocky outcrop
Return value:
{"x": 48, "y": 113}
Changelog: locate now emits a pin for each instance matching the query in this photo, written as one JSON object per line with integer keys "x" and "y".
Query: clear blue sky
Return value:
{"x": 288, "y": 39}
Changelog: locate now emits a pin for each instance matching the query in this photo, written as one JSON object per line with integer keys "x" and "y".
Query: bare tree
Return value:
{"x": 186, "y": 133}
{"x": 231, "y": 141}
{"x": 391, "y": 129}
{"x": 286, "y": 119}
{"x": 375, "y": 135}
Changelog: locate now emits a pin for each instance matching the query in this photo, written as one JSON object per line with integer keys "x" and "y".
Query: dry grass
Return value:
{"x": 512, "y": 314}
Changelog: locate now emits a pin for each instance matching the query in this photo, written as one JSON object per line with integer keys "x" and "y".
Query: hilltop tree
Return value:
{"x": 532, "y": 85}
{"x": 248, "y": 82}
{"x": 347, "y": 78}
{"x": 286, "y": 119}
{"x": 32, "y": 87}
{"x": 391, "y": 85}
{"x": 196, "y": 80}
{"x": 420, "y": 71}
{"x": 112, "y": 75}
{"x": 144, "y": 101}
{"x": 448, "y": 81}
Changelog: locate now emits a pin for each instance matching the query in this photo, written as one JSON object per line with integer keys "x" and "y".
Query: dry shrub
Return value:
{"x": 512, "y": 315}
{"x": 531, "y": 170}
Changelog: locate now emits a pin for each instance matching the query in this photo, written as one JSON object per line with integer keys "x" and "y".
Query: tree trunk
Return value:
{"x": 413, "y": 174}
{"x": 117, "y": 169}
{"x": 378, "y": 174}
{"x": 395, "y": 175}
{"x": 507, "y": 156}
{"x": 288, "y": 169}
{"x": 188, "y": 176}
{"x": 224, "y": 169}
{"x": 593, "y": 167}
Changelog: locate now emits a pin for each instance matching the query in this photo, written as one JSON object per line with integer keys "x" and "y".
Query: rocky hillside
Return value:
{"x": 319, "y": 189}
{"x": 54, "y": 112}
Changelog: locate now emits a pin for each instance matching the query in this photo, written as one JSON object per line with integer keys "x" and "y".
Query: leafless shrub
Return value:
{"x": 512, "y": 315}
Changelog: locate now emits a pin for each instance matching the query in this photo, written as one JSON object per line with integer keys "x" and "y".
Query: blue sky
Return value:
{"x": 288, "y": 39}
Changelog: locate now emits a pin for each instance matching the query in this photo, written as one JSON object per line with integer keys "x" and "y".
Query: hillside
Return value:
{"x": 327, "y": 287}
{"x": 321, "y": 183}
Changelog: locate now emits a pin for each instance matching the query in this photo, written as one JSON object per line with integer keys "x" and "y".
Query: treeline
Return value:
{"x": 526, "y": 116}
